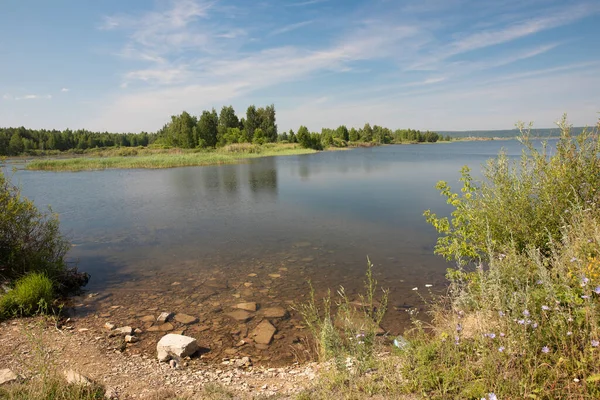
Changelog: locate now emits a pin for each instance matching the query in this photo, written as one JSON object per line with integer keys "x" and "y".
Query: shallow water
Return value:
{"x": 310, "y": 217}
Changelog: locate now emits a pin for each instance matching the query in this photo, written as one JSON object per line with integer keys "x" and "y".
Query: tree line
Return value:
{"x": 208, "y": 130}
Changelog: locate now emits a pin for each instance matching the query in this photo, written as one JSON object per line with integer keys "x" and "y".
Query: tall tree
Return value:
{"x": 252, "y": 122}
{"x": 227, "y": 120}
{"x": 207, "y": 128}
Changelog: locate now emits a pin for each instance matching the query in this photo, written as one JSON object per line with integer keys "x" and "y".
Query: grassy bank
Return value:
{"x": 163, "y": 158}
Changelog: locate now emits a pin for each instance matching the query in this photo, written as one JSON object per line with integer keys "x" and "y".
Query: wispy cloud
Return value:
{"x": 291, "y": 27}
{"x": 306, "y": 3}
{"x": 64, "y": 90}
{"x": 34, "y": 97}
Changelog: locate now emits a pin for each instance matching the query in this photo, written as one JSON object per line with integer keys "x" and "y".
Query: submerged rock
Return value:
{"x": 275, "y": 312}
{"x": 185, "y": 319}
{"x": 176, "y": 346}
{"x": 263, "y": 333}
{"x": 250, "y": 306}
{"x": 240, "y": 315}
{"x": 166, "y": 327}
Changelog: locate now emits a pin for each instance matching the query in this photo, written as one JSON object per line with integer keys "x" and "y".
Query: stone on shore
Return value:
{"x": 7, "y": 376}
{"x": 75, "y": 378}
{"x": 176, "y": 346}
{"x": 164, "y": 317}
{"x": 263, "y": 333}
{"x": 109, "y": 326}
{"x": 249, "y": 306}
{"x": 125, "y": 330}
{"x": 185, "y": 319}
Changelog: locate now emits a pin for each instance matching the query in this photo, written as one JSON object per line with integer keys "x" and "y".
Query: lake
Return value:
{"x": 163, "y": 237}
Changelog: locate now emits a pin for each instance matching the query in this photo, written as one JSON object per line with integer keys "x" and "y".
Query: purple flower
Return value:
{"x": 521, "y": 322}
{"x": 501, "y": 334}
{"x": 501, "y": 349}
{"x": 585, "y": 297}
{"x": 539, "y": 282}
{"x": 501, "y": 314}
{"x": 569, "y": 333}
{"x": 491, "y": 335}
{"x": 545, "y": 308}
{"x": 584, "y": 281}
{"x": 456, "y": 340}
{"x": 595, "y": 343}
{"x": 597, "y": 290}
{"x": 534, "y": 325}
{"x": 545, "y": 350}
{"x": 573, "y": 259}
{"x": 526, "y": 313}
{"x": 458, "y": 327}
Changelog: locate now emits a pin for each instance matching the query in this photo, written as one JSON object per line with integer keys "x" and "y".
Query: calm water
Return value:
{"x": 318, "y": 216}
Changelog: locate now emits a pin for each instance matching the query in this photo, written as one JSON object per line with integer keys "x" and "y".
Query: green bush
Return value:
{"x": 524, "y": 321}
{"x": 32, "y": 294}
{"x": 31, "y": 242}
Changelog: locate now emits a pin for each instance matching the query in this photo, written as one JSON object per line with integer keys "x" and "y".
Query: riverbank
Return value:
{"x": 133, "y": 158}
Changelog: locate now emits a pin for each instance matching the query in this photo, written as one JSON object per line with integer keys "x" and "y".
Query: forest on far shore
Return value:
{"x": 208, "y": 130}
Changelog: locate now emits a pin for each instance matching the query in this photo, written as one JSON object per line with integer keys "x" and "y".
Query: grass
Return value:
{"x": 166, "y": 158}
{"x": 32, "y": 294}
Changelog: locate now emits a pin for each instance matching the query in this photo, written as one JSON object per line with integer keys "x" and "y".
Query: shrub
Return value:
{"x": 30, "y": 242}
{"x": 524, "y": 322}
{"x": 32, "y": 294}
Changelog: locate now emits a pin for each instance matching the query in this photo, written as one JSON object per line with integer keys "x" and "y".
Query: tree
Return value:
{"x": 207, "y": 128}
{"x": 303, "y": 137}
{"x": 267, "y": 122}
{"x": 227, "y": 120}
{"x": 342, "y": 133}
{"x": 15, "y": 145}
{"x": 251, "y": 123}
{"x": 367, "y": 133}
{"x": 292, "y": 137}
{"x": 353, "y": 135}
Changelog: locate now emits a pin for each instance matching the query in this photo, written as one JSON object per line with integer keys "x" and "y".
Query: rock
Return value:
{"x": 185, "y": 319}
{"x": 125, "y": 330}
{"x": 75, "y": 378}
{"x": 260, "y": 346}
{"x": 109, "y": 326}
{"x": 173, "y": 364}
{"x": 275, "y": 275}
{"x": 166, "y": 327}
{"x": 275, "y": 312}
{"x": 137, "y": 331}
{"x": 131, "y": 339}
{"x": 7, "y": 376}
{"x": 110, "y": 394}
{"x": 164, "y": 317}
{"x": 250, "y": 306}
{"x": 263, "y": 333}
{"x": 252, "y": 275}
{"x": 240, "y": 315}
{"x": 243, "y": 362}
{"x": 177, "y": 346}
{"x": 147, "y": 318}
{"x": 82, "y": 330}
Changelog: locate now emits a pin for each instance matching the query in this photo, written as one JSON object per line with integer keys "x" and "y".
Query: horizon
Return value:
{"x": 450, "y": 66}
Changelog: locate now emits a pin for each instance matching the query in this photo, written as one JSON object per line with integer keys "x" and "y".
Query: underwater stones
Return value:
{"x": 263, "y": 333}
{"x": 166, "y": 327}
{"x": 240, "y": 315}
{"x": 185, "y": 319}
{"x": 249, "y": 306}
{"x": 275, "y": 312}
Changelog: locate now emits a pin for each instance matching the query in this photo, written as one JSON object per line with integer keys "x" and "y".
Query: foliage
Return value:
{"x": 30, "y": 241}
{"x": 32, "y": 293}
{"x": 525, "y": 322}
{"x": 525, "y": 203}
{"x": 348, "y": 336}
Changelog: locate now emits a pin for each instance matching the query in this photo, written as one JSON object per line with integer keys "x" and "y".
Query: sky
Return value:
{"x": 127, "y": 66}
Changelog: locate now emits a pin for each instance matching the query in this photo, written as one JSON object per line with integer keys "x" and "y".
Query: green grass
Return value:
{"x": 32, "y": 294}
{"x": 171, "y": 158}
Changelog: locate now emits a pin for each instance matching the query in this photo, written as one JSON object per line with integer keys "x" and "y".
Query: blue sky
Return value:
{"x": 425, "y": 64}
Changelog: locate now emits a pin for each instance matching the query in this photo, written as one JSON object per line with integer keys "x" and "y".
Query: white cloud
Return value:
{"x": 34, "y": 97}
{"x": 64, "y": 90}
{"x": 291, "y": 27}
{"x": 6, "y": 96}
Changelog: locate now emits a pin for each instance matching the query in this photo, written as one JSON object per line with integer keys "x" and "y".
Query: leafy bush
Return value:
{"x": 525, "y": 321}
{"x": 524, "y": 203}
{"x": 30, "y": 242}
{"x": 32, "y": 294}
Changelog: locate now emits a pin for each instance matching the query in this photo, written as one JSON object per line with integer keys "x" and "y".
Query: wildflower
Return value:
{"x": 491, "y": 335}
{"x": 534, "y": 325}
{"x": 428, "y": 285}
{"x": 545, "y": 350}
{"x": 456, "y": 340}
{"x": 501, "y": 349}
{"x": 597, "y": 290}
{"x": 415, "y": 288}
{"x": 458, "y": 327}
{"x": 521, "y": 322}
{"x": 545, "y": 308}
{"x": 595, "y": 343}
{"x": 501, "y": 256}
{"x": 585, "y": 296}
{"x": 573, "y": 259}
{"x": 539, "y": 282}
{"x": 360, "y": 335}
{"x": 570, "y": 319}
{"x": 501, "y": 314}
{"x": 584, "y": 281}
{"x": 490, "y": 396}
{"x": 569, "y": 333}
{"x": 526, "y": 313}
{"x": 501, "y": 334}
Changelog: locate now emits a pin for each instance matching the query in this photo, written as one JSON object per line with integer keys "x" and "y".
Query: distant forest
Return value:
{"x": 508, "y": 133}
{"x": 211, "y": 129}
